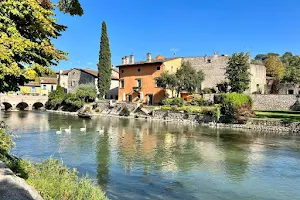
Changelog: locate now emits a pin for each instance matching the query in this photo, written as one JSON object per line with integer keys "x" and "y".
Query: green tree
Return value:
{"x": 104, "y": 65}
{"x": 237, "y": 72}
{"x": 72, "y": 7}
{"x": 86, "y": 92}
{"x": 167, "y": 81}
{"x": 27, "y": 28}
{"x": 188, "y": 79}
{"x": 274, "y": 67}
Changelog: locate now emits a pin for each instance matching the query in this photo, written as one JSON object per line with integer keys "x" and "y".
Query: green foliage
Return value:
{"x": 206, "y": 110}
{"x": 86, "y": 92}
{"x": 274, "y": 67}
{"x": 27, "y": 28}
{"x": 198, "y": 100}
{"x": 206, "y": 91}
{"x": 167, "y": 81}
{"x": 230, "y": 104}
{"x": 72, "y": 100}
{"x": 237, "y": 72}
{"x": 243, "y": 113}
{"x": 223, "y": 87}
{"x": 174, "y": 101}
{"x": 104, "y": 65}
{"x": 55, "y": 181}
{"x": 55, "y": 98}
{"x": 188, "y": 79}
{"x": 72, "y": 7}
{"x": 6, "y": 142}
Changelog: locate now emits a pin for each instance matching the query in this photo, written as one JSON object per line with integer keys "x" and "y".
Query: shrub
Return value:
{"x": 55, "y": 181}
{"x": 230, "y": 104}
{"x": 243, "y": 113}
{"x": 198, "y": 100}
{"x": 223, "y": 87}
{"x": 173, "y": 101}
{"x": 6, "y": 142}
{"x": 97, "y": 110}
{"x": 86, "y": 92}
{"x": 207, "y": 91}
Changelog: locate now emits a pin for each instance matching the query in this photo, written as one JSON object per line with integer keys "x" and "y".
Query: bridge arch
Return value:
{"x": 37, "y": 105}
{"x": 22, "y": 106}
{"x": 7, "y": 106}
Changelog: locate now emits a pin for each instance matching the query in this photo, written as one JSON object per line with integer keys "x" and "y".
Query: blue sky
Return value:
{"x": 194, "y": 27}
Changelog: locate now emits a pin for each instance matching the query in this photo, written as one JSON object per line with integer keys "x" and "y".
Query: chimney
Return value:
{"x": 216, "y": 54}
{"x": 126, "y": 58}
{"x": 123, "y": 61}
{"x": 61, "y": 71}
{"x": 131, "y": 59}
{"x": 148, "y": 57}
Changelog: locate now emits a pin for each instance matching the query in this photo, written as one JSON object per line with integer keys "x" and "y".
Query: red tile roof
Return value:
{"x": 32, "y": 83}
{"x": 48, "y": 80}
{"x": 91, "y": 72}
{"x": 157, "y": 59}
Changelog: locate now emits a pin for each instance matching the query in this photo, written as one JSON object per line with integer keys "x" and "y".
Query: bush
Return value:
{"x": 198, "y": 100}
{"x": 55, "y": 181}
{"x": 223, "y": 87}
{"x": 231, "y": 103}
{"x": 6, "y": 142}
{"x": 243, "y": 113}
{"x": 173, "y": 101}
{"x": 207, "y": 91}
{"x": 86, "y": 92}
{"x": 97, "y": 110}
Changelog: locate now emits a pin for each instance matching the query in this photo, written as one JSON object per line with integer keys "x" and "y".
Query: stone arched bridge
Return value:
{"x": 22, "y": 102}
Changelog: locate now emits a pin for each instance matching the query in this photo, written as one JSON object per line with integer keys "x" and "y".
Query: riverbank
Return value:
{"x": 14, "y": 187}
{"x": 204, "y": 120}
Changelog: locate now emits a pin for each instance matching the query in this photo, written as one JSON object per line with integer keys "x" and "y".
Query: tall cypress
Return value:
{"x": 104, "y": 65}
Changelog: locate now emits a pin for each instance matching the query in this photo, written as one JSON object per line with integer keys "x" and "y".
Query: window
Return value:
{"x": 139, "y": 83}
{"x": 122, "y": 83}
{"x": 111, "y": 96}
{"x": 33, "y": 89}
{"x": 44, "y": 87}
{"x": 52, "y": 88}
{"x": 73, "y": 83}
{"x": 122, "y": 71}
{"x": 291, "y": 92}
{"x": 158, "y": 68}
{"x": 156, "y": 83}
{"x": 139, "y": 69}
{"x": 209, "y": 60}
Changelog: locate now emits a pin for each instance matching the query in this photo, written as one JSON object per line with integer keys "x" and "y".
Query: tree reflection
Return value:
{"x": 236, "y": 147}
{"x": 103, "y": 158}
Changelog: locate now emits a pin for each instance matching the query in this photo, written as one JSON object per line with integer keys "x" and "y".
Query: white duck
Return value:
{"x": 68, "y": 130}
{"x": 59, "y": 132}
{"x": 83, "y": 129}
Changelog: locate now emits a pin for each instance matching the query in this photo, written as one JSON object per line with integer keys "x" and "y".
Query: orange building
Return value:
{"x": 137, "y": 79}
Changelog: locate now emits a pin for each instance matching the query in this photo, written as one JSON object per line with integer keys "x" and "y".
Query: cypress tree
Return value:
{"x": 104, "y": 65}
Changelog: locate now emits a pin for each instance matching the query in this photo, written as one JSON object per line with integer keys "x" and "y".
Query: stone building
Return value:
{"x": 71, "y": 79}
{"x": 214, "y": 68}
{"x": 283, "y": 88}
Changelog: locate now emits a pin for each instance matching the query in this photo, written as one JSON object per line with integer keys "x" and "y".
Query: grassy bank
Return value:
{"x": 50, "y": 178}
{"x": 285, "y": 116}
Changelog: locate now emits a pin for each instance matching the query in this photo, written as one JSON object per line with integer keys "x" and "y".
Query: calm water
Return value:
{"x": 157, "y": 160}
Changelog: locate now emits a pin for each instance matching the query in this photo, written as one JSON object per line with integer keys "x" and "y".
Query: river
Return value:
{"x": 136, "y": 159}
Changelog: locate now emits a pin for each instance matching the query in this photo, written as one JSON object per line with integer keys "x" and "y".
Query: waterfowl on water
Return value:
{"x": 59, "y": 132}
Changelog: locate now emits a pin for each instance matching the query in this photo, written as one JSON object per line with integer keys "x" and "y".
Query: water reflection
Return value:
{"x": 135, "y": 159}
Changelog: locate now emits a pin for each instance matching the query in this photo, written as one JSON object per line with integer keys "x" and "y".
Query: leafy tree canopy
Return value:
{"x": 237, "y": 72}
{"x": 274, "y": 67}
{"x": 26, "y": 30}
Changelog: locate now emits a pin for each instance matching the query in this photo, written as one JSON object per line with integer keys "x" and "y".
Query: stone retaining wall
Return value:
{"x": 273, "y": 102}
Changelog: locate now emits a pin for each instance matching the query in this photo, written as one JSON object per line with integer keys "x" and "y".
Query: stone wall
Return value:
{"x": 273, "y": 102}
{"x": 214, "y": 68}
{"x": 77, "y": 77}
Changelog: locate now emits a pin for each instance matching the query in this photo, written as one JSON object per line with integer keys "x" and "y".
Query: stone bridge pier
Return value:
{"x": 22, "y": 102}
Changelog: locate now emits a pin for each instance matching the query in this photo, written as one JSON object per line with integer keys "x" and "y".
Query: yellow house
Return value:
{"x": 47, "y": 84}
{"x": 40, "y": 86}
{"x": 31, "y": 88}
